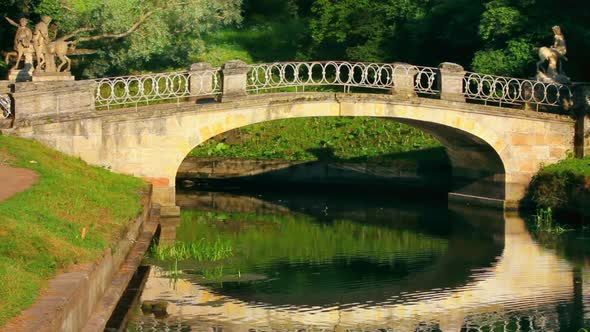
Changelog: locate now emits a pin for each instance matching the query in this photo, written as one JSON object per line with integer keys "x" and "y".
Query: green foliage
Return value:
{"x": 323, "y": 138}
{"x": 499, "y": 21}
{"x": 562, "y": 186}
{"x": 40, "y": 229}
{"x": 52, "y": 8}
{"x": 514, "y": 60}
{"x": 198, "y": 250}
{"x": 266, "y": 237}
{"x": 360, "y": 30}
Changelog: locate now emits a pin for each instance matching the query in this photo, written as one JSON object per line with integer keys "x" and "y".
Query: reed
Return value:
{"x": 200, "y": 250}
{"x": 544, "y": 222}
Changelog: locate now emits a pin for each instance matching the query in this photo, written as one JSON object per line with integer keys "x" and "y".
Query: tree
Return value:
{"x": 135, "y": 35}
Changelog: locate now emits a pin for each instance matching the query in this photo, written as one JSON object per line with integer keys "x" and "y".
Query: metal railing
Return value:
{"x": 381, "y": 76}
{"x": 129, "y": 91}
{"x": 513, "y": 91}
{"x": 5, "y": 106}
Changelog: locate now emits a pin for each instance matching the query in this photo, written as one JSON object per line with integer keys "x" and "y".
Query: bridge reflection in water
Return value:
{"x": 520, "y": 287}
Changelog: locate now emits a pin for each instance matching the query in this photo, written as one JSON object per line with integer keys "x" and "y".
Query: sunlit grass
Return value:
{"x": 41, "y": 229}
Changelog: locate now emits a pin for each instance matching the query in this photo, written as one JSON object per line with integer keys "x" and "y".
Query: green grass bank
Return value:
{"x": 41, "y": 228}
{"x": 563, "y": 187}
{"x": 327, "y": 139}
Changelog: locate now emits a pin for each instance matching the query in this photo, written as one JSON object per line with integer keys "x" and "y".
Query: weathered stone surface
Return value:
{"x": 451, "y": 81}
{"x": 494, "y": 152}
{"x": 53, "y": 100}
{"x": 235, "y": 79}
{"x": 404, "y": 81}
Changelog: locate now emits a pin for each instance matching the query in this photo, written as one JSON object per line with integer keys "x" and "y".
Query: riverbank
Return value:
{"x": 70, "y": 216}
{"x": 407, "y": 172}
{"x": 564, "y": 187}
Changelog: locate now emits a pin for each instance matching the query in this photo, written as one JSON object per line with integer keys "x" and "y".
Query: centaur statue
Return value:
{"x": 554, "y": 55}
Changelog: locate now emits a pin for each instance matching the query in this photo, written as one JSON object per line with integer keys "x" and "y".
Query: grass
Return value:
{"x": 317, "y": 138}
{"x": 41, "y": 229}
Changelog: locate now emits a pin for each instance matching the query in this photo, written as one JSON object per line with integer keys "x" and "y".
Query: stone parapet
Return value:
{"x": 200, "y": 79}
{"x": 52, "y": 99}
{"x": 404, "y": 80}
{"x": 235, "y": 80}
{"x": 451, "y": 82}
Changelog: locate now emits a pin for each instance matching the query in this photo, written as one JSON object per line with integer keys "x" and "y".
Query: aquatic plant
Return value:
{"x": 544, "y": 222}
{"x": 200, "y": 250}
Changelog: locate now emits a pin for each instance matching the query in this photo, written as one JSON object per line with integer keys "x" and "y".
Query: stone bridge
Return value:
{"x": 497, "y": 131}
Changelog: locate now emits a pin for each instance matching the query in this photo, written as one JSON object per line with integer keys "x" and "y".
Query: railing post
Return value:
{"x": 452, "y": 77}
{"x": 235, "y": 80}
{"x": 404, "y": 80}
{"x": 200, "y": 80}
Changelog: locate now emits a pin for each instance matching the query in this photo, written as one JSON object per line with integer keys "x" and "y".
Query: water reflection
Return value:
{"x": 361, "y": 264}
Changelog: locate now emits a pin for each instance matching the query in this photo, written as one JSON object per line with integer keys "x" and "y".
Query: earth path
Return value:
{"x": 15, "y": 180}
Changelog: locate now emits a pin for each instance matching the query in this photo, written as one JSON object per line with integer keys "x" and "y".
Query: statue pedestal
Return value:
{"x": 21, "y": 75}
{"x": 52, "y": 76}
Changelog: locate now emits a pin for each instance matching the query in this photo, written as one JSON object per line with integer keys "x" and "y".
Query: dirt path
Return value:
{"x": 15, "y": 180}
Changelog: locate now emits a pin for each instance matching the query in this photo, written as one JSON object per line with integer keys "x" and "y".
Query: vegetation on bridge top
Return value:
{"x": 41, "y": 229}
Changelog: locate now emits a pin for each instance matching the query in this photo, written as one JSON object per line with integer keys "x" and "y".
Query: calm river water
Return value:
{"x": 327, "y": 262}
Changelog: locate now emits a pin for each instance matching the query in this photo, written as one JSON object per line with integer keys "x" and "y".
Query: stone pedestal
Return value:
{"x": 404, "y": 80}
{"x": 235, "y": 80}
{"x": 52, "y": 100}
{"x": 200, "y": 80}
{"x": 24, "y": 74}
{"x": 52, "y": 76}
{"x": 452, "y": 77}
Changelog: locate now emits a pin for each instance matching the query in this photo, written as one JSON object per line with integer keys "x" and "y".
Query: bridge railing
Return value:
{"x": 503, "y": 91}
{"x": 379, "y": 76}
{"x": 129, "y": 91}
{"x": 448, "y": 82}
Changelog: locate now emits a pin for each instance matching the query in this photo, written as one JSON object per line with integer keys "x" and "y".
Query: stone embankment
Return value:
{"x": 400, "y": 174}
{"x": 84, "y": 298}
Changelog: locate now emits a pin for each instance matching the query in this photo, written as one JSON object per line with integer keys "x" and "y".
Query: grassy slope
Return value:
{"x": 40, "y": 229}
{"x": 563, "y": 186}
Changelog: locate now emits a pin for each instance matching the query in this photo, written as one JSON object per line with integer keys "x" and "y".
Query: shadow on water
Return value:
{"x": 419, "y": 173}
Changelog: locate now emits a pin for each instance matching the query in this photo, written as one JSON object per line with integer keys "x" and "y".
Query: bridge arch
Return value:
{"x": 480, "y": 142}
{"x": 494, "y": 152}
{"x": 477, "y": 167}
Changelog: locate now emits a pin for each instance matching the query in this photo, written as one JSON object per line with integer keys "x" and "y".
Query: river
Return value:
{"x": 358, "y": 262}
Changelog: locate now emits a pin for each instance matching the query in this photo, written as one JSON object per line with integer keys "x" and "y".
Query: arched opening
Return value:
{"x": 302, "y": 250}
{"x": 327, "y": 153}
{"x": 469, "y": 167}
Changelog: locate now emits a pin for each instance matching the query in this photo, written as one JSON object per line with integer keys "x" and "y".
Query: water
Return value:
{"x": 329, "y": 262}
